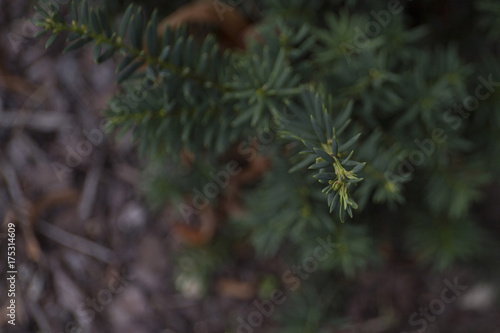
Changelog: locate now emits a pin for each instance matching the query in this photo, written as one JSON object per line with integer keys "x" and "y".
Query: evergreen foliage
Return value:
{"x": 363, "y": 120}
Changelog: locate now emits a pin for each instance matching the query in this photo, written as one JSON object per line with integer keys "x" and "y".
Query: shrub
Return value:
{"x": 365, "y": 127}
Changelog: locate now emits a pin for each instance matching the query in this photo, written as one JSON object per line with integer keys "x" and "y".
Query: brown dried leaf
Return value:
{"x": 55, "y": 198}
{"x": 228, "y": 20}
{"x": 197, "y": 235}
{"x": 232, "y": 288}
{"x": 254, "y": 171}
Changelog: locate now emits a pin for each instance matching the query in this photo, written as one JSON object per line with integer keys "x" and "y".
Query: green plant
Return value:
{"x": 365, "y": 113}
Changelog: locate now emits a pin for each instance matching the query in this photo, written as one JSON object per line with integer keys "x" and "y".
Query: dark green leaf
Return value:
{"x": 342, "y": 214}
{"x": 348, "y": 108}
{"x": 343, "y": 127}
{"x": 74, "y": 11}
{"x": 106, "y": 55}
{"x": 167, "y": 36}
{"x": 40, "y": 33}
{"x": 164, "y": 53}
{"x": 328, "y": 124}
{"x": 325, "y": 176}
{"x": 94, "y": 22}
{"x": 353, "y": 204}
{"x": 125, "y": 62}
{"x": 317, "y": 130}
{"x": 324, "y": 155}
{"x": 207, "y": 44}
{"x": 58, "y": 17}
{"x": 127, "y": 72}
{"x": 242, "y": 118}
{"x": 257, "y": 113}
{"x": 104, "y": 23}
{"x": 214, "y": 54}
{"x": 151, "y": 35}
{"x": 335, "y": 146}
{"x": 177, "y": 51}
{"x": 180, "y": 32}
{"x": 335, "y": 201}
{"x": 331, "y": 195}
{"x": 41, "y": 24}
{"x": 50, "y": 41}
{"x": 73, "y": 36}
{"x": 277, "y": 69}
{"x": 320, "y": 165}
{"x": 350, "y": 142}
{"x": 122, "y": 30}
{"x": 350, "y": 163}
{"x": 84, "y": 12}
{"x": 189, "y": 51}
{"x": 358, "y": 168}
{"x": 41, "y": 11}
{"x": 308, "y": 145}
{"x": 150, "y": 72}
{"x": 78, "y": 44}
{"x": 348, "y": 158}
{"x": 305, "y": 151}
{"x": 349, "y": 211}
{"x": 135, "y": 31}
{"x": 302, "y": 164}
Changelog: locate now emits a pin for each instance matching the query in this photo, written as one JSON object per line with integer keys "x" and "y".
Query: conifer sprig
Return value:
{"x": 162, "y": 56}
